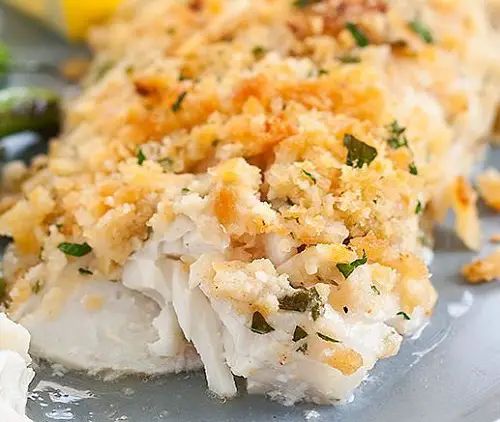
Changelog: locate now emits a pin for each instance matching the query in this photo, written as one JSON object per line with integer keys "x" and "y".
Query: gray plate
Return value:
{"x": 450, "y": 373}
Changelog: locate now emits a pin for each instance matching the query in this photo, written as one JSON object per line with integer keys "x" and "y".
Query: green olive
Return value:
{"x": 29, "y": 109}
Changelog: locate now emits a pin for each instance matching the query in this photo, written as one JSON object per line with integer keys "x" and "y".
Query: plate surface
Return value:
{"x": 450, "y": 373}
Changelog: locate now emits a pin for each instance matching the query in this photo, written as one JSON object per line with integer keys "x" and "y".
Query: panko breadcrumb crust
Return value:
{"x": 249, "y": 103}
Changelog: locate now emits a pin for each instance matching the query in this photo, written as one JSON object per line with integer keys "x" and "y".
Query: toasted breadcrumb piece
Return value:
{"x": 489, "y": 187}
{"x": 495, "y": 238}
{"x": 464, "y": 200}
{"x": 483, "y": 270}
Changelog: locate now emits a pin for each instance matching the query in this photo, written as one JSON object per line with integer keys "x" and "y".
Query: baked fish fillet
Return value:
{"x": 256, "y": 181}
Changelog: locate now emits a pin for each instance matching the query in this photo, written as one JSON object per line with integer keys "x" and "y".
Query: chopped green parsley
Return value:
{"x": 347, "y": 268}
{"x": 303, "y": 348}
{"x": 397, "y": 138}
{"x": 259, "y": 324}
{"x": 75, "y": 249}
{"x": 298, "y": 302}
{"x": 35, "y": 288}
{"x": 304, "y": 3}
{"x": 348, "y": 59}
{"x": 85, "y": 271}
{"x": 358, "y": 153}
{"x": 301, "y": 301}
{"x": 404, "y": 315}
{"x": 299, "y": 334}
{"x": 327, "y": 338}
{"x": 176, "y": 106}
{"x": 418, "y": 207}
{"x": 309, "y": 175}
{"x": 258, "y": 52}
{"x": 140, "y": 157}
{"x": 318, "y": 307}
{"x": 422, "y": 30}
{"x": 358, "y": 35}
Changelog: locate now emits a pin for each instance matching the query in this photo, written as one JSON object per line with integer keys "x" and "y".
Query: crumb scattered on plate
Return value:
{"x": 483, "y": 269}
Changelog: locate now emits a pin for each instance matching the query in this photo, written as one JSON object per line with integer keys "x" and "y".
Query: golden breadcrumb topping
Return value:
{"x": 331, "y": 124}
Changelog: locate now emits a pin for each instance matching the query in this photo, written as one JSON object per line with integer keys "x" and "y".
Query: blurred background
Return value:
{"x": 71, "y": 18}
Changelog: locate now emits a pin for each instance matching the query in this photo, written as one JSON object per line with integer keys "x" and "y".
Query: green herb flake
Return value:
{"x": 309, "y": 175}
{"x": 258, "y": 52}
{"x": 418, "y": 207}
{"x": 85, "y": 271}
{"x": 299, "y": 334}
{"x": 347, "y": 268}
{"x": 413, "y": 169}
{"x": 326, "y": 338}
{"x": 397, "y": 138}
{"x": 176, "y": 106}
{"x": 303, "y": 300}
{"x": 303, "y": 348}
{"x": 102, "y": 69}
{"x": 358, "y": 35}
{"x": 3, "y": 289}
{"x": 318, "y": 307}
{"x": 166, "y": 163}
{"x": 404, "y": 315}
{"x": 299, "y": 301}
{"x": 259, "y": 324}
{"x": 140, "y": 157}
{"x": 348, "y": 59}
{"x": 375, "y": 290}
{"x": 422, "y": 30}
{"x": 75, "y": 249}
{"x": 304, "y": 3}
{"x": 358, "y": 153}
{"x": 185, "y": 190}
{"x": 322, "y": 72}
{"x": 35, "y": 288}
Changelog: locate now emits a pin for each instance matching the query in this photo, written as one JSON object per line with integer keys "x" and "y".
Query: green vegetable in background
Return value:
{"x": 5, "y": 62}
{"x": 29, "y": 109}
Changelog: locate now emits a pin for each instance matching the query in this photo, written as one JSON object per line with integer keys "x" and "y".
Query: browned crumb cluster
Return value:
{"x": 484, "y": 269}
